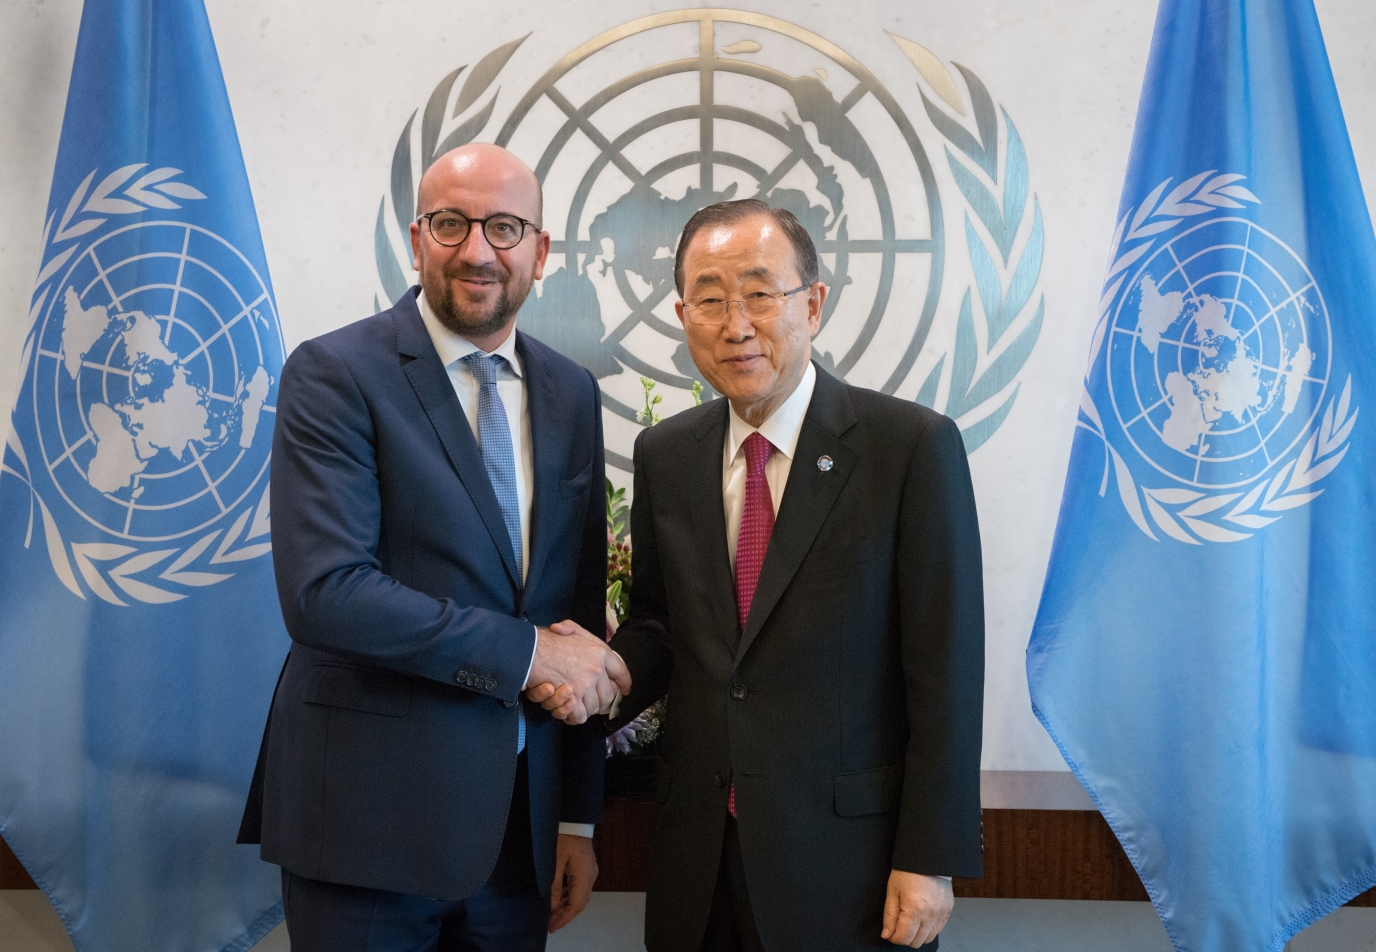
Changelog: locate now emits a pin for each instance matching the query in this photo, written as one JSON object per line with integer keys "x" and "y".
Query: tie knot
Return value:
{"x": 483, "y": 366}
{"x": 757, "y": 453}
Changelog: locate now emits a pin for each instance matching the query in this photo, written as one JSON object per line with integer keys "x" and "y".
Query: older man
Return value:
{"x": 437, "y": 500}
{"x": 807, "y": 588}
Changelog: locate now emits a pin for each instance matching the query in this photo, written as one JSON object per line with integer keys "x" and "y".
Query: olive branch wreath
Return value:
{"x": 82, "y": 215}
{"x": 1005, "y": 275}
{"x": 433, "y": 122}
{"x": 1184, "y": 514}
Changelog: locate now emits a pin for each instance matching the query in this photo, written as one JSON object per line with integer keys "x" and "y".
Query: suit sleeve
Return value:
{"x": 643, "y": 640}
{"x": 327, "y": 520}
{"x": 585, "y": 746}
{"x": 941, "y": 604}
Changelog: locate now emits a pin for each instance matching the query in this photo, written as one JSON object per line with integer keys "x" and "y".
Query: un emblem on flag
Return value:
{"x": 638, "y": 128}
{"x": 151, "y": 399}
{"x": 1217, "y": 367}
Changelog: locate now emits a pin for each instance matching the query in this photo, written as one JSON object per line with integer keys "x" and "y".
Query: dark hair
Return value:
{"x": 728, "y": 213}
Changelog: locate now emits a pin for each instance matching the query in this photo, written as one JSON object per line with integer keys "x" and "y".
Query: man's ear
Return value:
{"x": 541, "y": 254}
{"x": 816, "y": 299}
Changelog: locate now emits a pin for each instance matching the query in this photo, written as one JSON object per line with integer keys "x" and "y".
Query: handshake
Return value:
{"x": 575, "y": 675}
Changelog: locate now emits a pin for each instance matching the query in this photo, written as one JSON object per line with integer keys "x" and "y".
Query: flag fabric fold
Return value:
{"x": 1205, "y": 648}
{"x": 140, "y": 635}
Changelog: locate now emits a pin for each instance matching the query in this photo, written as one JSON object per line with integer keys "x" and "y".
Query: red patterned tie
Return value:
{"x": 757, "y": 523}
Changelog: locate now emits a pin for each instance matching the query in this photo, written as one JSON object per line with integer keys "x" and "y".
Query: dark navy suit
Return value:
{"x": 390, "y": 755}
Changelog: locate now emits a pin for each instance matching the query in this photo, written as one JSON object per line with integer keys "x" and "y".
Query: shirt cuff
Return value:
{"x": 576, "y": 829}
{"x": 531, "y": 666}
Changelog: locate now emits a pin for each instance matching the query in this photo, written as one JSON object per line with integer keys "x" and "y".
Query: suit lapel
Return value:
{"x": 549, "y": 436}
{"x": 808, "y": 498}
{"x": 436, "y": 394}
{"x": 701, "y": 469}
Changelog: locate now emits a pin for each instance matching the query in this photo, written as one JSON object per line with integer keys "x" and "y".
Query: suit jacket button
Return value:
{"x": 738, "y": 691}
{"x": 719, "y": 779}
{"x": 490, "y": 685}
{"x": 461, "y": 677}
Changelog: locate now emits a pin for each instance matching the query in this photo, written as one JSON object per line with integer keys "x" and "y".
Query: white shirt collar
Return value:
{"x": 784, "y": 424}
{"x": 452, "y": 348}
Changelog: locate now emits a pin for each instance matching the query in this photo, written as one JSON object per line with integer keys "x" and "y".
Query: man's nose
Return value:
{"x": 475, "y": 248}
{"x": 737, "y": 326}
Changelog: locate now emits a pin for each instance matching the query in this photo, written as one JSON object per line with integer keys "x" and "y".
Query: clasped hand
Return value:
{"x": 575, "y": 674}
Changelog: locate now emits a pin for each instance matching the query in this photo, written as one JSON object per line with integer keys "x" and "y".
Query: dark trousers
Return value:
{"x": 731, "y": 922}
{"x": 509, "y": 914}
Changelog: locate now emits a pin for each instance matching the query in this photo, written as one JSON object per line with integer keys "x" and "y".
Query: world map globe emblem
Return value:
{"x": 1219, "y": 354}
{"x": 152, "y": 399}
{"x": 641, "y": 126}
{"x": 644, "y": 124}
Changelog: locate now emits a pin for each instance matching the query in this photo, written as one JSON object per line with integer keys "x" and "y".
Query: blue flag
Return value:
{"x": 1205, "y": 650}
{"x": 140, "y": 635}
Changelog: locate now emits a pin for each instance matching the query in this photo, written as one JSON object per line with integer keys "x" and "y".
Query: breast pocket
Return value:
{"x": 355, "y": 688}
{"x": 576, "y": 486}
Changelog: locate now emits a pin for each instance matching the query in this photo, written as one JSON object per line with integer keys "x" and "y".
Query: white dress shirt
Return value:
{"x": 781, "y": 430}
{"x": 511, "y": 387}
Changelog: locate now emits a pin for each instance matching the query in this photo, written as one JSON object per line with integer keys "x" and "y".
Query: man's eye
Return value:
{"x": 709, "y": 302}
{"x": 447, "y": 223}
{"x": 758, "y": 296}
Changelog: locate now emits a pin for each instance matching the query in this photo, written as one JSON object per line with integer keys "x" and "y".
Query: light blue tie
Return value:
{"x": 499, "y": 459}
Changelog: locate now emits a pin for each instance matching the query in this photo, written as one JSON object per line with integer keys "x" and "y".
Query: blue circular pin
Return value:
{"x": 825, "y": 463}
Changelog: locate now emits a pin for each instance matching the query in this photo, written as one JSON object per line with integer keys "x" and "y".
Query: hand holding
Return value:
{"x": 559, "y": 701}
{"x": 567, "y": 655}
{"x": 916, "y": 909}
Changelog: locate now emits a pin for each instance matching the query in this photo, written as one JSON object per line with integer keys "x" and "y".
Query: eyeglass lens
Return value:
{"x": 502, "y": 231}
{"x": 758, "y": 306}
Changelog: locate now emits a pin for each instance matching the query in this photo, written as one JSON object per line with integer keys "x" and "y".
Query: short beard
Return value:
{"x": 439, "y": 293}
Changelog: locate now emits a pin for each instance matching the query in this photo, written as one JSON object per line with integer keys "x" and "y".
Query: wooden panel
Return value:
{"x": 1052, "y": 854}
{"x": 622, "y": 841}
{"x": 1028, "y": 854}
{"x": 12, "y": 874}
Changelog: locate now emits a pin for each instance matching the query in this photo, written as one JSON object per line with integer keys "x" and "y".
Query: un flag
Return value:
{"x": 1205, "y": 648}
{"x": 139, "y": 629}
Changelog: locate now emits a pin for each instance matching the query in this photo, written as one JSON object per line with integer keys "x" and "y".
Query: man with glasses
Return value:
{"x": 807, "y": 589}
{"x": 439, "y": 542}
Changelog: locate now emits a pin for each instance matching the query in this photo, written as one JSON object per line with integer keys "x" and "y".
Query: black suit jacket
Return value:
{"x": 848, "y": 712}
{"x": 390, "y": 754}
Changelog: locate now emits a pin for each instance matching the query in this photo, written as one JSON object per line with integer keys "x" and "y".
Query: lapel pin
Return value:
{"x": 824, "y": 463}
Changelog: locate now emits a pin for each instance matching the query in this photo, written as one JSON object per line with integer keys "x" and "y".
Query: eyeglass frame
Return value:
{"x": 779, "y": 296}
{"x": 428, "y": 218}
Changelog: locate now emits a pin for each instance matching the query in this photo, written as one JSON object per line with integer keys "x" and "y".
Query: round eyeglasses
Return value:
{"x": 450, "y": 227}
{"x": 757, "y": 306}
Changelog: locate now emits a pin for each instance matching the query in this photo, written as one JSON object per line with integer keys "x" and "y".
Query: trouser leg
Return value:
{"x": 508, "y": 914}
{"x": 731, "y": 921}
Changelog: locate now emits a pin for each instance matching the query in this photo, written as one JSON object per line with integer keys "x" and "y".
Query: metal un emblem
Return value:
{"x": 638, "y": 128}
{"x": 151, "y": 396}
{"x": 1218, "y": 362}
